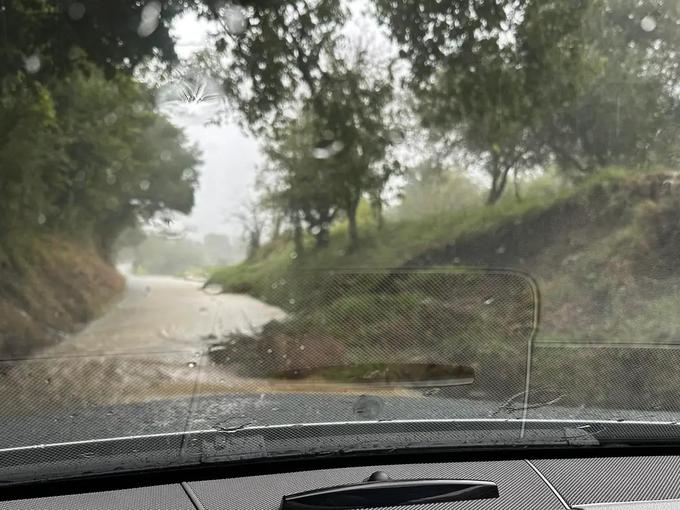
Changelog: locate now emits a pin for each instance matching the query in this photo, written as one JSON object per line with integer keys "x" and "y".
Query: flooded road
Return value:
{"x": 152, "y": 343}
{"x": 165, "y": 314}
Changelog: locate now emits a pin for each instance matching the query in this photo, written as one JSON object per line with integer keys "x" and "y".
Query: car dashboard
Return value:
{"x": 602, "y": 482}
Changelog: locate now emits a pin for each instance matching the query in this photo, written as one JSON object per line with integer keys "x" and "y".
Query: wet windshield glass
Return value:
{"x": 223, "y": 223}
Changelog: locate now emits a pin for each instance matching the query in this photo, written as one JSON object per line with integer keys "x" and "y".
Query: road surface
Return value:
{"x": 151, "y": 344}
{"x": 166, "y": 314}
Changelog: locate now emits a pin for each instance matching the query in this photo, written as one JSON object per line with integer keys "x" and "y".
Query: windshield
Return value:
{"x": 224, "y": 224}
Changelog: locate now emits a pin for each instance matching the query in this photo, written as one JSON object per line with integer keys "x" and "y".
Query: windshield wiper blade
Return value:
{"x": 379, "y": 490}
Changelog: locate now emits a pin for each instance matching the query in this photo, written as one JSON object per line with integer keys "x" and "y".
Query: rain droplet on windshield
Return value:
{"x": 327, "y": 150}
{"x": 648, "y": 23}
{"x": 191, "y": 364}
{"x": 293, "y": 255}
{"x": 76, "y": 11}
{"x": 32, "y": 64}
{"x": 368, "y": 406}
{"x": 151, "y": 15}
{"x": 41, "y": 219}
{"x": 144, "y": 184}
{"x": 187, "y": 174}
{"x": 234, "y": 19}
{"x": 110, "y": 119}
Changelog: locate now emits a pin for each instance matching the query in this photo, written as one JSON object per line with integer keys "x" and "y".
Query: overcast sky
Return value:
{"x": 230, "y": 158}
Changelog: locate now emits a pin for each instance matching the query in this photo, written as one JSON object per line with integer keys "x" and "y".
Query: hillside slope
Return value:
{"x": 605, "y": 259}
{"x": 596, "y": 252}
{"x": 48, "y": 288}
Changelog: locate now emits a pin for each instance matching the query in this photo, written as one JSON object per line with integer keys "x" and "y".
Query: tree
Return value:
{"x": 122, "y": 162}
{"x": 51, "y": 37}
{"x": 276, "y": 53}
{"x": 335, "y": 151}
{"x": 627, "y": 110}
{"x": 88, "y": 155}
{"x": 492, "y": 72}
{"x": 253, "y": 222}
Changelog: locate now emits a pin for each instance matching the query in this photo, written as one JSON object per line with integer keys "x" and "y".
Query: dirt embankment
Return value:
{"x": 49, "y": 287}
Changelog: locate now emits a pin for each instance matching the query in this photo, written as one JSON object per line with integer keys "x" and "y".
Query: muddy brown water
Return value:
{"x": 149, "y": 344}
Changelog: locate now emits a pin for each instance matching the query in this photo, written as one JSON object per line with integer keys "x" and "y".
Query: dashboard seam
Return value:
{"x": 550, "y": 486}
{"x": 192, "y": 496}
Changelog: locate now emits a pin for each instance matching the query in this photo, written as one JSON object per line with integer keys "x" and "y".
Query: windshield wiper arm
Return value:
{"x": 379, "y": 490}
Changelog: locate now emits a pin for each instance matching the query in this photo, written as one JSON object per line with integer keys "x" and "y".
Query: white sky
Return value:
{"x": 230, "y": 158}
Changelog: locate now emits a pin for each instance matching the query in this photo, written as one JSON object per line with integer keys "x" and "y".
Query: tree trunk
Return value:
{"x": 499, "y": 178}
{"x": 378, "y": 213}
{"x": 297, "y": 233}
{"x": 352, "y": 233}
{"x": 276, "y": 231}
{"x": 518, "y": 197}
{"x": 322, "y": 238}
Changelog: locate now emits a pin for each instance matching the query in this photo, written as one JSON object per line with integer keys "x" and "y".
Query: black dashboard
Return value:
{"x": 603, "y": 483}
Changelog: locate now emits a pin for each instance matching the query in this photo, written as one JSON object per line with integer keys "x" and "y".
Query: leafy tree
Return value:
{"x": 275, "y": 54}
{"x": 47, "y": 37}
{"x": 627, "y": 110}
{"x": 335, "y": 151}
{"x": 122, "y": 161}
{"x": 88, "y": 155}
{"x": 491, "y": 72}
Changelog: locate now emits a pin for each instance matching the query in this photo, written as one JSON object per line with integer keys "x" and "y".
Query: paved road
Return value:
{"x": 149, "y": 345}
{"x": 164, "y": 314}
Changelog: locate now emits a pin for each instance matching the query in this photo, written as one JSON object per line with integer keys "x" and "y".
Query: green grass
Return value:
{"x": 392, "y": 246}
{"x": 604, "y": 254}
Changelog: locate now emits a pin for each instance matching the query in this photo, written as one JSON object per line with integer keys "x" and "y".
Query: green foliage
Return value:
{"x": 61, "y": 35}
{"x": 323, "y": 161}
{"x": 394, "y": 245}
{"x": 88, "y": 155}
{"x": 432, "y": 190}
{"x": 279, "y": 57}
{"x": 626, "y": 111}
{"x": 523, "y": 83}
{"x": 490, "y": 72}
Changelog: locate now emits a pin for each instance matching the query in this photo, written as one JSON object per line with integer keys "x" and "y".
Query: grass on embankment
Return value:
{"x": 50, "y": 286}
{"x": 390, "y": 247}
{"x": 604, "y": 255}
